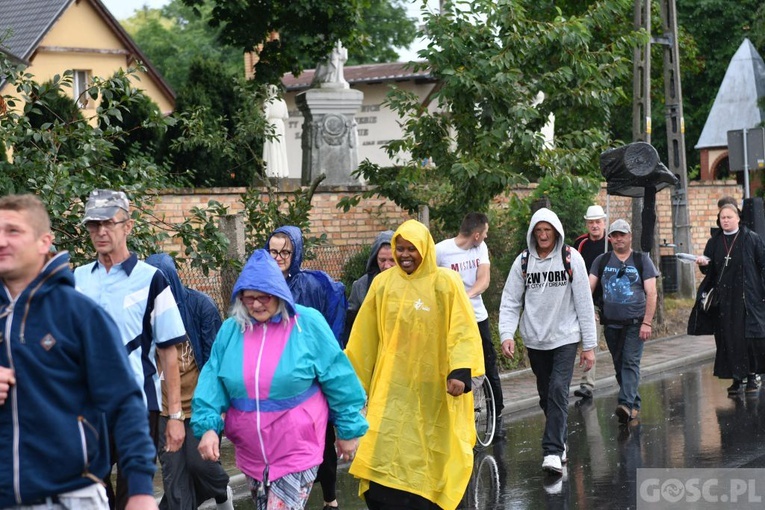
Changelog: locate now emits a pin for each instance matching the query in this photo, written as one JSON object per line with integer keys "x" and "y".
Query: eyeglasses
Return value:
{"x": 621, "y": 271}
{"x": 263, "y": 300}
{"x": 95, "y": 226}
{"x": 284, "y": 254}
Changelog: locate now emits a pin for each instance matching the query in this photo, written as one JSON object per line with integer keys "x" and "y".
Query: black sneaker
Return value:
{"x": 499, "y": 429}
{"x": 583, "y": 392}
{"x": 735, "y": 388}
{"x": 751, "y": 386}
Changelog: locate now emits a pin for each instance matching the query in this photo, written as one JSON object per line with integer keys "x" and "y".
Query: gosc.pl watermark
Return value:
{"x": 716, "y": 489}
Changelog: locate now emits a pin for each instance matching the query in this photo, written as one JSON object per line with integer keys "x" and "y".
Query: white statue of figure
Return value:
{"x": 329, "y": 74}
{"x": 275, "y": 146}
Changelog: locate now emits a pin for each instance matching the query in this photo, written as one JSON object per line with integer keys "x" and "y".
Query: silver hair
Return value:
{"x": 241, "y": 315}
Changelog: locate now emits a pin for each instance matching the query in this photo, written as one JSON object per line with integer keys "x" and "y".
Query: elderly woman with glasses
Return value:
{"x": 314, "y": 288}
{"x": 278, "y": 374}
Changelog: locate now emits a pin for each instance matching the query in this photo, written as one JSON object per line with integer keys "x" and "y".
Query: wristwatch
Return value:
{"x": 180, "y": 415}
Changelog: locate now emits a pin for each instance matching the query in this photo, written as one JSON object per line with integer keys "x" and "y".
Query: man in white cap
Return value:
{"x": 590, "y": 245}
{"x": 628, "y": 282}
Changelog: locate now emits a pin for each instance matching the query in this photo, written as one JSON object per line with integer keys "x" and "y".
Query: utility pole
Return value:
{"x": 641, "y": 97}
{"x": 673, "y": 97}
{"x": 681, "y": 228}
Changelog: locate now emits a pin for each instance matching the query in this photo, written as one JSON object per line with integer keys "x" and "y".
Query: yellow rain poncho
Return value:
{"x": 411, "y": 332}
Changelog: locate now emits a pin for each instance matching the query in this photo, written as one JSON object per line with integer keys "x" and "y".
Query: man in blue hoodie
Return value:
{"x": 187, "y": 478}
{"x": 64, "y": 380}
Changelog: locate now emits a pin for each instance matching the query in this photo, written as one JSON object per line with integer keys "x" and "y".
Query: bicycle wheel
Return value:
{"x": 485, "y": 413}
{"x": 486, "y": 482}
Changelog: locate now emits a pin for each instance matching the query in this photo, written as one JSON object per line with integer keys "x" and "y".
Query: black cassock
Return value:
{"x": 736, "y": 355}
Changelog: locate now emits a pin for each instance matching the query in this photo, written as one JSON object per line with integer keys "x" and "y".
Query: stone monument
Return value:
{"x": 330, "y": 142}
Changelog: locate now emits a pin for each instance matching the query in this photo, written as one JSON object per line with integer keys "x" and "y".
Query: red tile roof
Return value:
{"x": 371, "y": 73}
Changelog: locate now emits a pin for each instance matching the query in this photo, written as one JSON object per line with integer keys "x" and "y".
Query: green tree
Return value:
{"x": 64, "y": 159}
{"x": 492, "y": 62}
{"x": 50, "y": 104}
{"x": 307, "y": 29}
{"x": 174, "y": 36}
{"x": 383, "y": 27}
{"x": 221, "y": 142}
{"x": 141, "y": 125}
{"x": 718, "y": 29}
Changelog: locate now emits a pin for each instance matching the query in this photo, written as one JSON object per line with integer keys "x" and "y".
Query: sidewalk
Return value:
{"x": 520, "y": 388}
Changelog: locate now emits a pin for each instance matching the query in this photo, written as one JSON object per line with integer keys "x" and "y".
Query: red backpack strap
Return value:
{"x": 579, "y": 241}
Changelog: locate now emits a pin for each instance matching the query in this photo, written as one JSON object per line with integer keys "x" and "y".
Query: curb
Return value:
{"x": 532, "y": 401}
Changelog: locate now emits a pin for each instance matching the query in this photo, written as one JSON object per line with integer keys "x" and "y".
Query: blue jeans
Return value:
{"x": 554, "y": 370}
{"x": 626, "y": 350}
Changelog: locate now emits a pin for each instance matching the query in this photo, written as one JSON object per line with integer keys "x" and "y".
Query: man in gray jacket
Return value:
{"x": 554, "y": 296}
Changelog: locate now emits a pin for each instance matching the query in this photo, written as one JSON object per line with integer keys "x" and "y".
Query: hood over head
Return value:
{"x": 550, "y": 217}
{"x": 166, "y": 265}
{"x": 262, "y": 273}
{"x": 382, "y": 238}
{"x": 419, "y": 235}
{"x": 296, "y": 238}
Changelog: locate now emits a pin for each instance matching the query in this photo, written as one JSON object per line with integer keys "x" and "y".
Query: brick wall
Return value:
{"x": 361, "y": 224}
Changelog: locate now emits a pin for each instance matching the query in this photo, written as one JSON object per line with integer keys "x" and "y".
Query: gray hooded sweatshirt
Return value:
{"x": 551, "y": 310}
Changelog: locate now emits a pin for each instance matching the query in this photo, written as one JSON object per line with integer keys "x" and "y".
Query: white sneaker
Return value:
{"x": 564, "y": 457}
{"x": 552, "y": 464}
{"x": 554, "y": 486}
{"x": 229, "y": 503}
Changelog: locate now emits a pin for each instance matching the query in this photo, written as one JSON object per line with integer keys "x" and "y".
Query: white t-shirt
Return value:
{"x": 466, "y": 263}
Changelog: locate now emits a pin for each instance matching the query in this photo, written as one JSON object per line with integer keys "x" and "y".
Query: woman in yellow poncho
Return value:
{"x": 414, "y": 345}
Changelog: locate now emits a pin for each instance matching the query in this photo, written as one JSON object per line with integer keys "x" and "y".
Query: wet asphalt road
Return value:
{"x": 687, "y": 421}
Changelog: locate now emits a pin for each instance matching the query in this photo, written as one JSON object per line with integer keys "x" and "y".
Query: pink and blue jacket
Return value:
{"x": 278, "y": 383}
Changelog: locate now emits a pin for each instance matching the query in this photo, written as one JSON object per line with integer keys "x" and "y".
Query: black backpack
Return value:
{"x": 565, "y": 253}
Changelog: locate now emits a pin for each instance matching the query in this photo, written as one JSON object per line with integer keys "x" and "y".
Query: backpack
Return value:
{"x": 565, "y": 253}
{"x": 597, "y": 294}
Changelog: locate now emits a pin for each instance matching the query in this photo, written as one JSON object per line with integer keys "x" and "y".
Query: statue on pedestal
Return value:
{"x": 329, "y": 74}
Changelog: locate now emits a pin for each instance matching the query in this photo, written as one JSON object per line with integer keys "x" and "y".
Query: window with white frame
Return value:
{"x": 80, "y": 82}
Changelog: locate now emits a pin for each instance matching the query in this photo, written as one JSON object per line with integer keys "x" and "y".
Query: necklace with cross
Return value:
{"x": 728, "y": 250}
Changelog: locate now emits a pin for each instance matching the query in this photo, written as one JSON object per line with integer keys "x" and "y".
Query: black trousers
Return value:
{"x": 380, "y": 497}
{"x": 119, "y": 499}
{"x": 188, "y": 480}
{"x": 327, "y": 474}
{"x": 490, "y": 363}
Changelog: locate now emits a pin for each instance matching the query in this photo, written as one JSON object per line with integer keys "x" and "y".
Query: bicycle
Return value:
{"x": 485, "y": 412}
